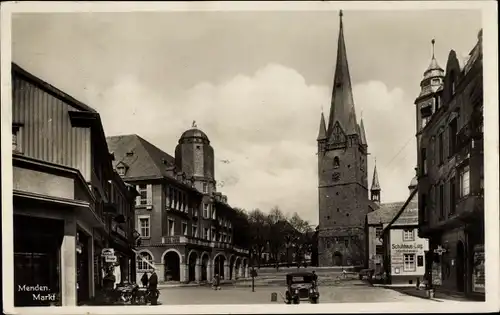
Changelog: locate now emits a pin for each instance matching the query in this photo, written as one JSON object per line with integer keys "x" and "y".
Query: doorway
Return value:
{"x": 337, "y": 259}
{"x": 82, "y": 267}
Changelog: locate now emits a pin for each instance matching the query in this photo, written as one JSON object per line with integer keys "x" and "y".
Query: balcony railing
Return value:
{"x": 182, "y": 239}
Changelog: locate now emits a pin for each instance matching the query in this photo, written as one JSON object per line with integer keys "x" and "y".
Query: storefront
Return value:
{"x": 37, "y": 260}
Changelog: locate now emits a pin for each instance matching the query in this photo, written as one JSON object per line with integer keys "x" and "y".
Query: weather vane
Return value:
{"x": 194, "y": 124}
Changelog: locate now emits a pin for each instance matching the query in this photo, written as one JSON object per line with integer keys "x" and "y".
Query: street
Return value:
{"x": 352, "y": 292}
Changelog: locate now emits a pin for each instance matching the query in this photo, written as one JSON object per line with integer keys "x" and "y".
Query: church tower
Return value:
{"x": 342, "y": 173}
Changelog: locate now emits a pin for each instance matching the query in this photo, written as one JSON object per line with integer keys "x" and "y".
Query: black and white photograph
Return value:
{"x": 250, "y": 157}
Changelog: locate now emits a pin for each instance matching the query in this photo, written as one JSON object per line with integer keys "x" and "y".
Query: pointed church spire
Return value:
{"x": 362, "y": 133}
{"x": 375, "y": 190}
{"x": 322, "y": 128}
{"x": 342, "y": 106}
{"x": 375, "y": 182}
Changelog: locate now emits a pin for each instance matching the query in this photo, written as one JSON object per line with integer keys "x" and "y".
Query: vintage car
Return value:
{"x": 301, "y": 286}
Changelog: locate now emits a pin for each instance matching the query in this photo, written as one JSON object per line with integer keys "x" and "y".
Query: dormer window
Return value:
{"x": 121, "y": 170}
{"x": 130, "y": 153}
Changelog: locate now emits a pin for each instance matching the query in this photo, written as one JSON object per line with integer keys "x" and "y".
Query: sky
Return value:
{"x": 254, "y": 82}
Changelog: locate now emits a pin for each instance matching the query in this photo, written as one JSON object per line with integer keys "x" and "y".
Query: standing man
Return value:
{"x": 153, "y": 288}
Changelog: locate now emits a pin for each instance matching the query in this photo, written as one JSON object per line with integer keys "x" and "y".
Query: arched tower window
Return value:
{"x": 336, "y": 162}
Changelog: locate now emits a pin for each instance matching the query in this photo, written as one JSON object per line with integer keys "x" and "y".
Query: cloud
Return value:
{"x": 263, "y": 128}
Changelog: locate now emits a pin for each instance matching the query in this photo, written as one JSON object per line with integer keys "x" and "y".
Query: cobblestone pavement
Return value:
{"x": 353, "y": 293}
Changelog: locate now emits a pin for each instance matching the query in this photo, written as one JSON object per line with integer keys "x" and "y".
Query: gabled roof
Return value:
{"x": 145, "y": 160}
{"x": 410, "y": 204}
{"x": 385, "y": 213}
{"x": 17, "y": 70}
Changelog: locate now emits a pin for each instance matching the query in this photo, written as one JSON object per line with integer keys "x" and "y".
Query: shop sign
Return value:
{"x": 110, "y": 259}
{"x": 108, "y": 252}
{"x": 407, "y": 248}
{"x": 478, "y": 274}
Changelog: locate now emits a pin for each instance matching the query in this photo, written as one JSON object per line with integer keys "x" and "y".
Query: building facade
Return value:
{"x": 186, "y": 227}
{"x": 63, "y": 186}
{"x": 450, "y": 183}
{"x": 404, "y": 250}
{"x": 342, "y": 174}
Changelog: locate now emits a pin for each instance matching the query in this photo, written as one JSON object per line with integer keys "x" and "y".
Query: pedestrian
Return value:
{"x": 315, "y": 278}
{"x": 144, "y": 279}
{"x": 153, "y": 288}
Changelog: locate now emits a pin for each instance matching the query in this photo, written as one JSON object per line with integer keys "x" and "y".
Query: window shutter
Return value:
{"x": 149, "y": 190}
{"x": 138, "y": 198}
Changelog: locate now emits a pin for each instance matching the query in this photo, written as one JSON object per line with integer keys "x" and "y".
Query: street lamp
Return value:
{"x": 253, "y": 269}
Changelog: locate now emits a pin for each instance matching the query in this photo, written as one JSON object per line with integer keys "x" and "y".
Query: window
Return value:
{"x": 184, "y": 228}
{"x": 14, "y": 140}
{"x": 409, "y": 262}
{"x": 441, "y": 148}
{"x": 143, "y": 194}
{"x": 346, "y": 242}
{"x": 205, "y": 188}
{"x": 205, "y": 234}
{"x": 144, "y": 227}
{"x": 213, "y": 213}
{"x": 408, "y": 235}
{"x": 453, "y": 85}
{"x": 212, "y": 232}
{"x": 144, "y": 261}
{"x": 378, "y": 232}
{"x": 195, "y": 231}
{"x": 453, "y": 137}
{"x": 436, "y": 81}
{"x": 229, "y": 238}
{"x": 424, "y": 161}
{"x": 336, "y": 162}
{"x": 425, "y": 120}
{"x": 441, "y": 201}
{"x": 171, "y": 227}
{"x": 464, "y": 182}
{"x": 420, "y": 261}
{"x": 121, "y": 170}
{"x": 205, "y": 210}
{"x": 452, "y": 196}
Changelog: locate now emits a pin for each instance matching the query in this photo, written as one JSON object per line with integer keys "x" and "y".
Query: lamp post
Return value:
{"x": 253, "y": 269}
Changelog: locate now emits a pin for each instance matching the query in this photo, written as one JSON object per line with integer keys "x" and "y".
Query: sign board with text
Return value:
{"x": 110, "y": 259}
{"x": 478, "y": 275}
{"x": 108, "y": 252}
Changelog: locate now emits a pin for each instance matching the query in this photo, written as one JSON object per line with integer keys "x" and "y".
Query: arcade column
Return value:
{"x": 227, "y": 270}
{"x": 210, "y": 271}
{"x": 197, "y": 273}
{"x": 184, "y": 273}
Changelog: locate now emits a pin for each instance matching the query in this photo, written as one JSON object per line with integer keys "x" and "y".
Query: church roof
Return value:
{"x": 385, "y": 213}
{"x": 342, "y": 106}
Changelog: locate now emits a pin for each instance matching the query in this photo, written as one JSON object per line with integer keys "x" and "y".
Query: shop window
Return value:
{"x": 408, "y": 235}
{"x": 144, "y": 226}
{"x": 409, "y": 262}
{"x": 144, "y": 261}
{"x": 464, "y": 182}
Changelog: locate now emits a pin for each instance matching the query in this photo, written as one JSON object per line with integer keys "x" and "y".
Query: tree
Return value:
{"x": 303, "y": 237}
{"x": 259, "y": 231}
{"x": 241, "y": 224}
{"x": 277, "y": 223}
